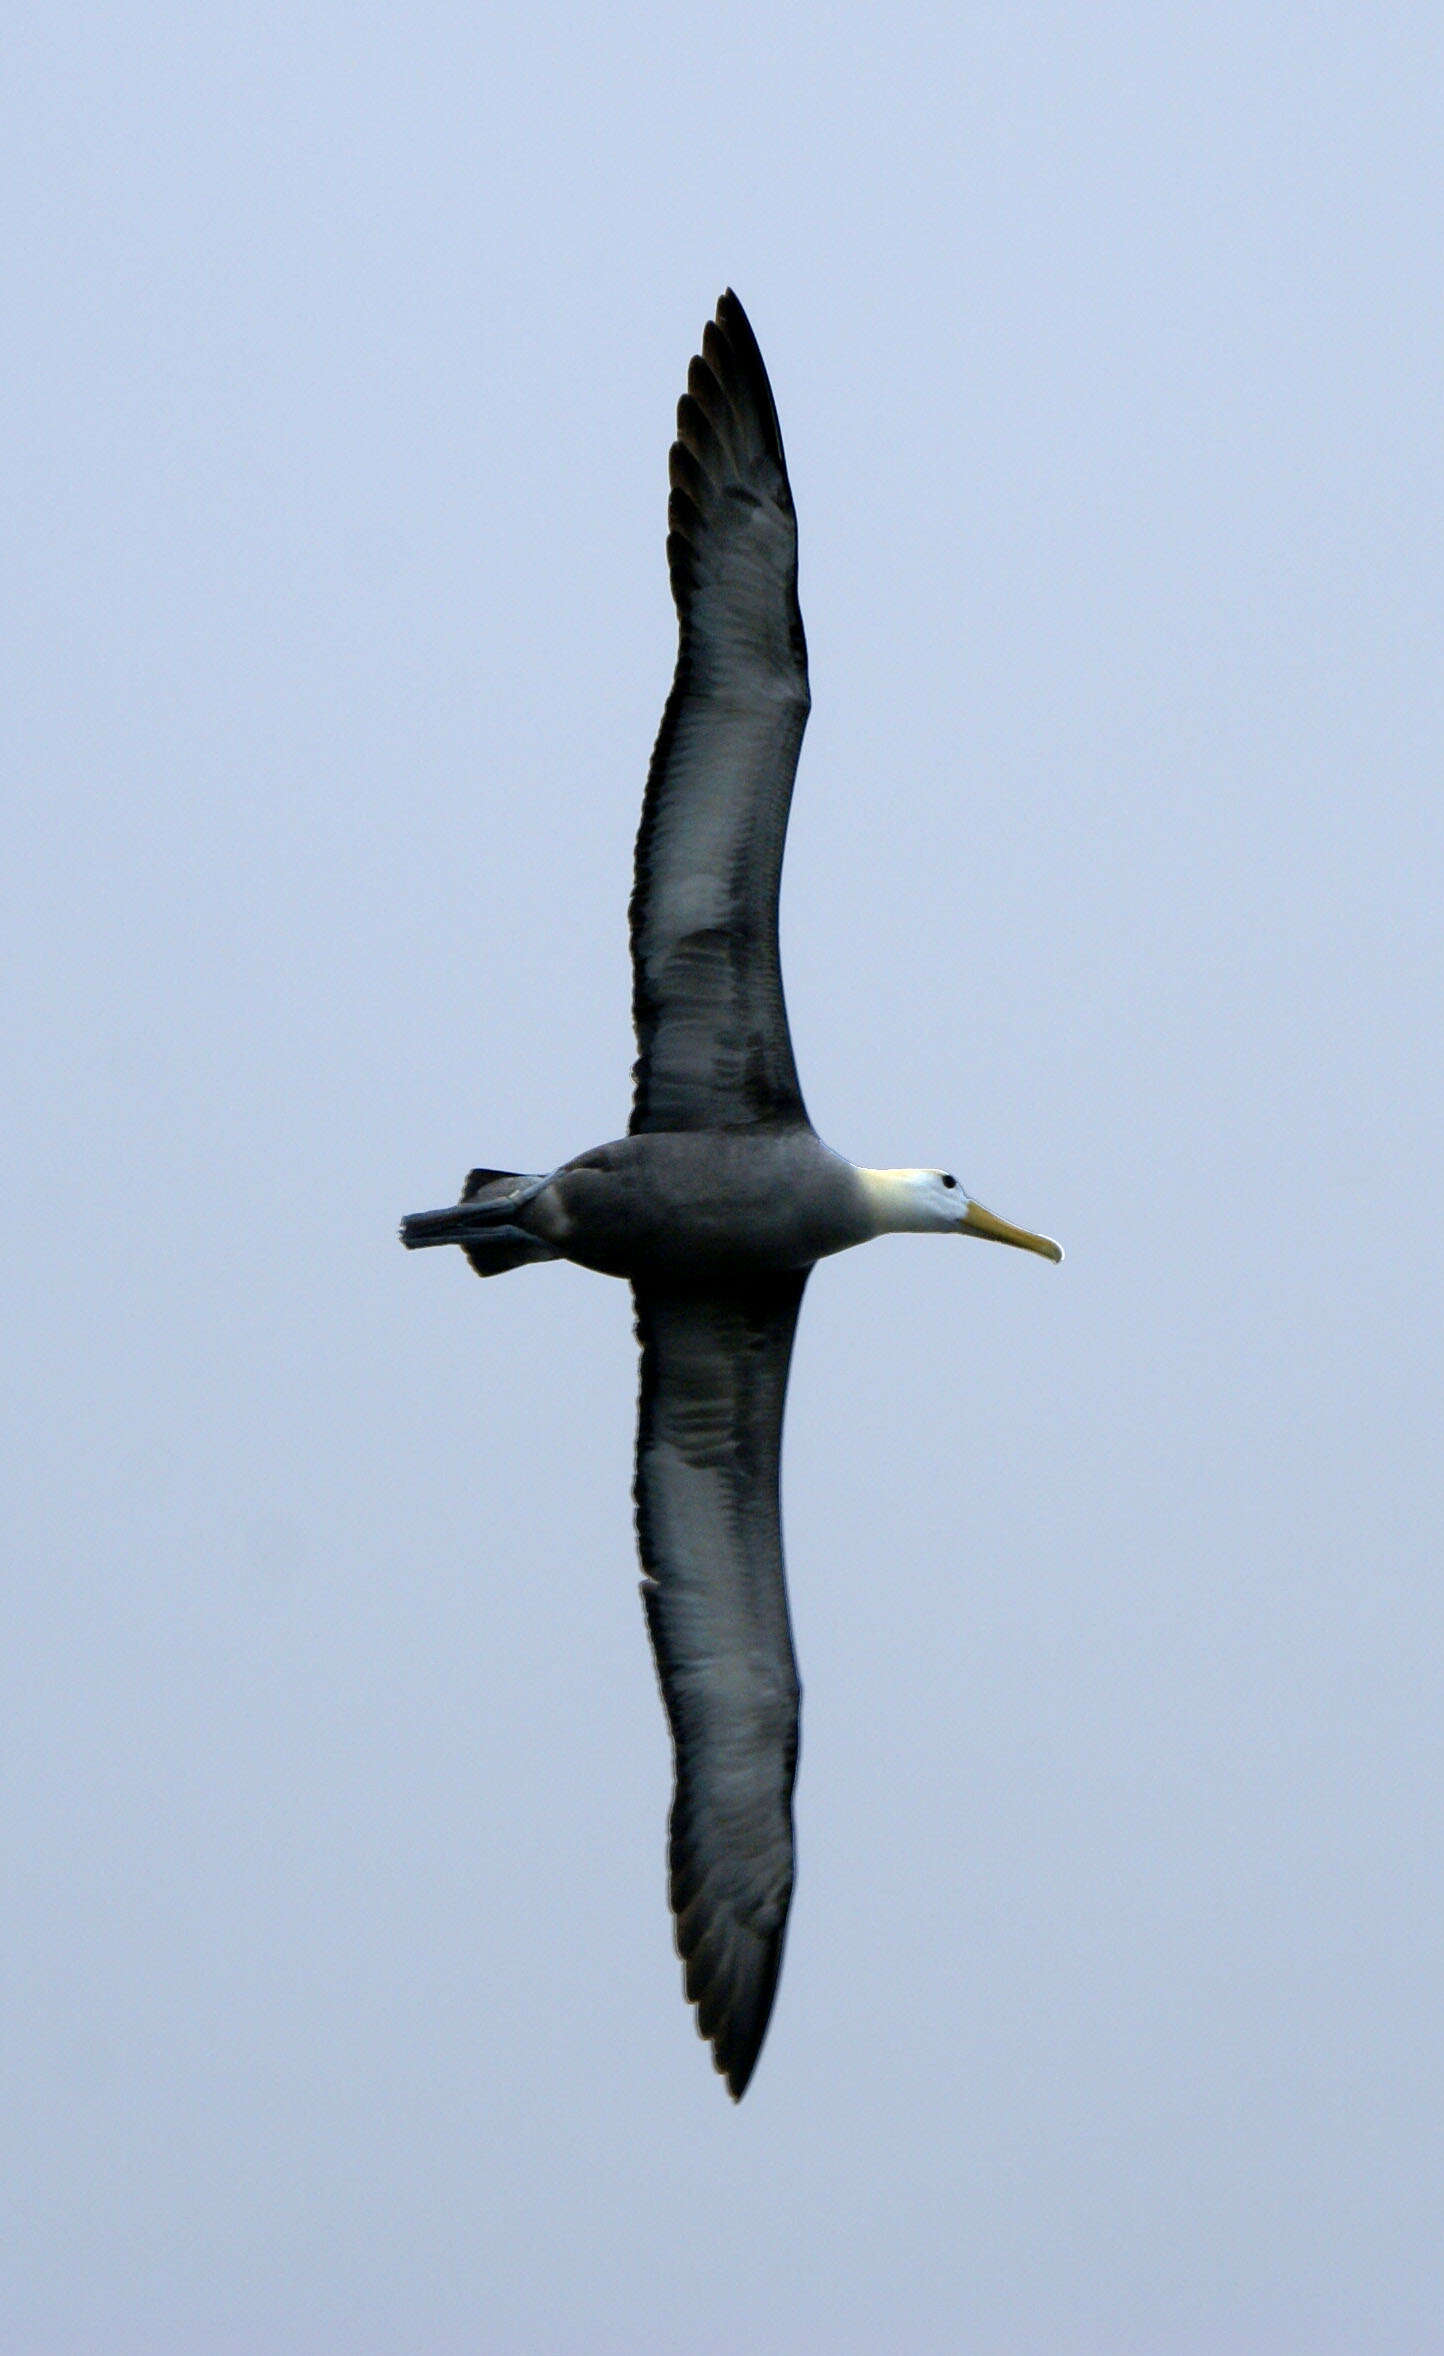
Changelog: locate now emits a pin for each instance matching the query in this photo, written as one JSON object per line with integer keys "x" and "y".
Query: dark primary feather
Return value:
{"x": 709, "y": 1530}
{"x": 713, "y": 1045}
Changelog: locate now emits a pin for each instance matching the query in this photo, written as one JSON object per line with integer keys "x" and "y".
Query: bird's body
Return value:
{"x": 702, "y": 1205}
{"x": 722, "y": 1197}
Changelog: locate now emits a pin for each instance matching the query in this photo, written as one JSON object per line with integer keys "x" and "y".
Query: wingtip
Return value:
{"x": 735, "y": 2068}
{"x": 735, "y": 2057}
{"x": 736, "y": 2081}
{"x": 734, "y": 2007}
{"x": 735, "y": 325}
{"x": 732, "y": 385}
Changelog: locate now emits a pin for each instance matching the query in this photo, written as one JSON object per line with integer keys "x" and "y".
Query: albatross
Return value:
{"x": 721, "y": 1198}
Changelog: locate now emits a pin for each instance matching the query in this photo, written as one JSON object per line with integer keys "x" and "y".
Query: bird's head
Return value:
{"x": 932, "y": 1202}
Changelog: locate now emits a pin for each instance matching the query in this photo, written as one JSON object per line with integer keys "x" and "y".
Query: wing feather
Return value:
{"x": 709, "y": 1528}
{"x": 713, "y": 1047}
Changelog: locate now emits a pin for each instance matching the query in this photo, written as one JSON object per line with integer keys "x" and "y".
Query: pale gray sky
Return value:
{"x": 338, "y": 2010}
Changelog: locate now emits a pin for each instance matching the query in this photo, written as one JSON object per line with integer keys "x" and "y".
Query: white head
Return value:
{"x": 931, "y": 1202}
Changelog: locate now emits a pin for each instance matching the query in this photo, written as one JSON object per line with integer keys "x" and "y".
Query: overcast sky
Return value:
{"x": 338, "y": 2009}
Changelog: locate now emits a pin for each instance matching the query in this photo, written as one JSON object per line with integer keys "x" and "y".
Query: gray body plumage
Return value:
{"x": 701, "y": 1206}
{"x": 722, "y": 1197}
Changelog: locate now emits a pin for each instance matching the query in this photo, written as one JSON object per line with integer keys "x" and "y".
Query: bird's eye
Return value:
{"x": 949, "y": 1180}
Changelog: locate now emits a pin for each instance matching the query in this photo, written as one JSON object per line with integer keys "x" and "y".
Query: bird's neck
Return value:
{"x": 898, "y": 1202}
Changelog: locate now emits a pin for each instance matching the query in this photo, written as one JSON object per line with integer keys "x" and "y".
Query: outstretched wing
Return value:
{"x": 709, "y": 1527}
{"x": 712, "y": 1038}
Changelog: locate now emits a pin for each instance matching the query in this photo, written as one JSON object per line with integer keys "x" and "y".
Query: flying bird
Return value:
{"x": 719, "y": 1200}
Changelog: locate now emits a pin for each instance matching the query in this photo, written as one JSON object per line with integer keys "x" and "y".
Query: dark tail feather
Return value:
{"x": 484, "y": 1222}
{"x": 477, "y": 1179}
{"x": 505, "y": 1247}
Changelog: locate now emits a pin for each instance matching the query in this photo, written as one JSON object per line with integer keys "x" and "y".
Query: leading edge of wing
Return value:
{"x": 712, "y": 1036}
{"x": 709, "y": 1437}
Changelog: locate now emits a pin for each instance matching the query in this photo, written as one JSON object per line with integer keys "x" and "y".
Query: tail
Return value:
{"x": 484, "y": 1222}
